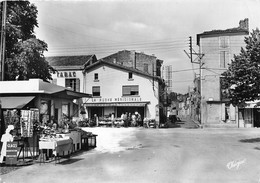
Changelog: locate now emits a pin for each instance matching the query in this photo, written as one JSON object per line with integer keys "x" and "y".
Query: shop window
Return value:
{"x": 65, "y": 108}
{"x": 45, "y": 111}
{"x": 130, "y": 76}
{"x": 74, "y": 84}
{"x": 96, "y": 77}
{"x": 130, "y": 90}
{"x": 96, "y": 91}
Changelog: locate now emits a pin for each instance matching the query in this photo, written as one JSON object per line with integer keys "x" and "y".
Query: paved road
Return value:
{"x": 156, "y": 155}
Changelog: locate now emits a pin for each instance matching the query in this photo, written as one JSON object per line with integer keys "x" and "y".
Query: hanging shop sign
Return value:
{"x": 119, "y": 99}
{"x": 66, "y": 74}
{"x": 11, "y": 153}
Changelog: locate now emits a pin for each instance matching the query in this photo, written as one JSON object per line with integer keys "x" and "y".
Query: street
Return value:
{"x": 156, "y": 155}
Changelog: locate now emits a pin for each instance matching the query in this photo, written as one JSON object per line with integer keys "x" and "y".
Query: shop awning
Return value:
{"x": 123, "y": 104}
{"x": 15, "y": 102}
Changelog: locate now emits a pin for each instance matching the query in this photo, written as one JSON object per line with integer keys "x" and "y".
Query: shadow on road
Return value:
{"x": 257, "y": 148}
{"x": 70, "y": 161}
{"x": 250, "y": 140}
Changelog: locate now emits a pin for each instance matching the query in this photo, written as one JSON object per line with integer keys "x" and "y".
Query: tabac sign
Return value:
{"x": 66, "y": 74}
{"x": 119, "y": 99}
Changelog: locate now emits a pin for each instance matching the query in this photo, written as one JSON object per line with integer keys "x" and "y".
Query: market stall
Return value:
{"x": 40, "y": 111}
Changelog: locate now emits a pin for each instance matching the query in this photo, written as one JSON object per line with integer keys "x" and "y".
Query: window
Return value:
{"x": 145, "y": 67}
{"x": 224, "y": 59}
{"x": 65, "y": 108}
{"x": 96, "y": 91}
{"x": 130, "y": 75}
{"x": 96, "y": 76}
{"x": 224, "y": 42}
{"x": 74, "y": 84}
{"x": 130, "y": 90}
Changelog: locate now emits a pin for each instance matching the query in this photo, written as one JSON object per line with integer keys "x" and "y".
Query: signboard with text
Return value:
{"x": 11, "y": 153}
{"x": 116, "y": 99}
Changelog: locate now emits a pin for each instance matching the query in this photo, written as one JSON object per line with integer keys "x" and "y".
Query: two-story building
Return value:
{"x": 218, "y": 47}
{"x": 70, "y": 73}
{"x": 118, "y": 89}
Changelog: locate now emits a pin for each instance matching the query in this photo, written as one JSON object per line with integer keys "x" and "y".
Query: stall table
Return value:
{"x": 59, "y": 146}
{"x": 75, "y": 136}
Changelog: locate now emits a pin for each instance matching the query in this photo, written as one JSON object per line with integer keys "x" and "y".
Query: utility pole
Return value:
{"x": 197, "y": 60}
{"x": 2, "y": 41}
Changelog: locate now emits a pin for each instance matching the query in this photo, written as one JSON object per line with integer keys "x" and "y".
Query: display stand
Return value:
{"x": 25, "y": 146}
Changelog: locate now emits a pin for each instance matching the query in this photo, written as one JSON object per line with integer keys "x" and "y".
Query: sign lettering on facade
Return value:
{"x": 119, "y": 99}
{"x": 66, "y": 74}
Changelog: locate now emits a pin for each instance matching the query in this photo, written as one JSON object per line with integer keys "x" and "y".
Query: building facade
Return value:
{"x": 52, "y": 101}
{"x": 167, "y": 75}
{"x": 117, "y": 89}
{"x": 70, "y": 70}
{"x": 218, "y": 48}
{"x": 140, "y": 61}
{"x": 69, "y": 74}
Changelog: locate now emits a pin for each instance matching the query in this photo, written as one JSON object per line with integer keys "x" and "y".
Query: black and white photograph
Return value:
{"x": 130, "y": 91}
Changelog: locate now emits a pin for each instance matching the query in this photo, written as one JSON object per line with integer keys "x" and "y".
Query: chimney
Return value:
{"x": 243, "y": 24}
{"x": 133, "y": 58}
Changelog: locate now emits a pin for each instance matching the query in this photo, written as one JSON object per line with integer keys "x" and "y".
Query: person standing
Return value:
{"x": 96, "y": 119}
{"x": 7, "y": 137}
{"x": 125, "y": 119}
{"x": 113, "y": 119}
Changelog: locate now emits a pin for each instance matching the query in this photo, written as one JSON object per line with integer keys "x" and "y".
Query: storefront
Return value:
{"x": 119, "y": 90}
{"x": 249, "y": 115}
{"x": 34, "y": 104}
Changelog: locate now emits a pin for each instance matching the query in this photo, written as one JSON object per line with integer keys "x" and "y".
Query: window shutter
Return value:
{"x": 96, "y": 89}
{"x": 67, "y": 83}
{"x": 126, "y": 90}
{"x": 77, "y": 85}
{"x": 134, "y": 88}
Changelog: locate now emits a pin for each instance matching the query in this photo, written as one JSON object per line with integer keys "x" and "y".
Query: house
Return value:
{"x": 70, "y": 73}
{"x": 218, "y": 48}
{"x": 70, "y": 70}
{"x": 117, "y": 89}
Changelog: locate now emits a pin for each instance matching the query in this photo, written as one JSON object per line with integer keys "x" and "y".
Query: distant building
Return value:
{"x": 218, "y": 47}
{"x": 167, "y": 75}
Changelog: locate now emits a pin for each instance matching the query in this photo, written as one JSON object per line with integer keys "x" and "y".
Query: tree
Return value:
{"x": 24, "y": 52}
{"x": 242, "y": 79}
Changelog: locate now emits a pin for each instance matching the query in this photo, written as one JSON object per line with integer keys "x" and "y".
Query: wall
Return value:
{"x": 61, "y": 80}
{"x": 133, "y": 59}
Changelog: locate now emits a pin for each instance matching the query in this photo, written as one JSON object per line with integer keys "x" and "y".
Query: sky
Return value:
{"x": 162, "y": 28}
